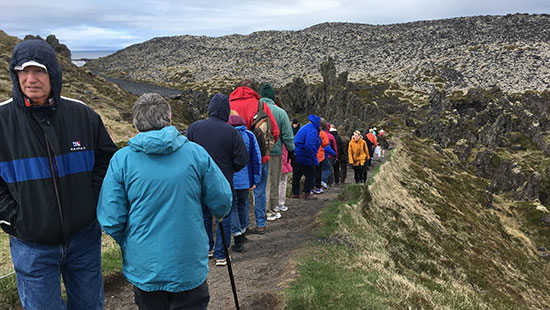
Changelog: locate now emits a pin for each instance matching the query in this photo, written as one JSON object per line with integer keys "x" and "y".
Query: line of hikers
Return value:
{"x": 62, "y": 178}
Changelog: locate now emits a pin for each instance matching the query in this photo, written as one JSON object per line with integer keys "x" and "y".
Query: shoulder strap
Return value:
{"x": 260, "y": 105}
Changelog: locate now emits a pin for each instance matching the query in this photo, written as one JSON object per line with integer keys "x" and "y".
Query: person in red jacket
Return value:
{"x": 372, "y": 144}
{"x": 244, "y": 100}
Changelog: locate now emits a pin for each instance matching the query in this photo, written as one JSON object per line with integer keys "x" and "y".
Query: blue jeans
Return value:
{"x": 260, "y": 196}
{"x": 38, "y": 269}
{"x": 239, "y": 212}
{"x": 326, "y": 170}
{"x": 218, "y": 245}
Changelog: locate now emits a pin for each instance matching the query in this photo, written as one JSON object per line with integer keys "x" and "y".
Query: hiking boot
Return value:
{"x": 221, "y": 262}
{"x": 257, "y": 230}
{"x": 238, "y": 246}
{"x": 308, "y": 196}
{"x": 281, "y": 208}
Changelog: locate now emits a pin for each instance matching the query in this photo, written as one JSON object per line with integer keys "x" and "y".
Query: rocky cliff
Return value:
{"x": 508, "y": 51}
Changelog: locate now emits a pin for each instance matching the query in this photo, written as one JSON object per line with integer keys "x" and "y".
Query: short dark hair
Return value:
{"x": 249, "y": 83}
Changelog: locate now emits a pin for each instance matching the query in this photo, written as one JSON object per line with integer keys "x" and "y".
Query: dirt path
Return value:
{"x": 265, "y": 267}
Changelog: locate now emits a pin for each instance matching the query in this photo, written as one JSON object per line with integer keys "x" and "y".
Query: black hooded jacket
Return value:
{"x": 222, "y": 142}
{"x": 52, "y": 160}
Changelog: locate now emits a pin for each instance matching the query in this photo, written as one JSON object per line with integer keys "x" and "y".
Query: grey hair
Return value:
{"x": 151, "y": 112}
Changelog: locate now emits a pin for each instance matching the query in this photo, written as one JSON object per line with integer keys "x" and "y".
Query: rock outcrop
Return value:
{"x": 510, "y": 52}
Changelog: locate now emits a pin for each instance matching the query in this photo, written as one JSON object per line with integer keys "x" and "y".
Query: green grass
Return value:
{"x": 326, "y": 285}
{"x": 420, "y": 237}
{"x": 327, "y": 279}
{"x": 8, "y": 293}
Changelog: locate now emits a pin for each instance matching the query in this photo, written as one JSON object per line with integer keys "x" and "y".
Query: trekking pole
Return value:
{"x": 229, "y": 265}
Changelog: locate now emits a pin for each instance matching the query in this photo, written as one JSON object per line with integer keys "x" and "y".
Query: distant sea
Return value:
{"x": 78, "y": 57}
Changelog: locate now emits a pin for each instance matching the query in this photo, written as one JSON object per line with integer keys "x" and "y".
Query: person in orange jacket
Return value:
{"x": 321, "y": 155}
{"x": 358, "y": 155}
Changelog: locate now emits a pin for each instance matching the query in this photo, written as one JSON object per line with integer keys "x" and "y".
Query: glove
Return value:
{"x": 291, "y": 158}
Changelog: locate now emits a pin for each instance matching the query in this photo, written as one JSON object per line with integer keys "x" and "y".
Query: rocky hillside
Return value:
{"x": 111, "y": 102}
{"x": 508, "y": 51}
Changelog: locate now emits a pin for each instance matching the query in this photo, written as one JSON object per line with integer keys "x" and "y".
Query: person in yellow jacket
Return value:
{"x": 358, "y": 155}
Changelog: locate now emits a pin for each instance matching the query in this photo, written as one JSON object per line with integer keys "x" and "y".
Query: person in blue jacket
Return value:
{"x": 307, "y": 142}
{"x": 244, "y": 181}
{"x": 226, "y": 146}
{"x": 151, "y": 204}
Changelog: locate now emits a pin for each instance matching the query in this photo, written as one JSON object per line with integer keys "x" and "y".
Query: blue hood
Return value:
{"x": 39, "y": 51}
{"x": 163, "y": 141}
{"x": 219, "y": 107}
{"x": 315, "y": 120}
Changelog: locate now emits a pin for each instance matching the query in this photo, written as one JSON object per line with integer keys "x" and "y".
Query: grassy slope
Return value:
{"x": 421, "y": 238}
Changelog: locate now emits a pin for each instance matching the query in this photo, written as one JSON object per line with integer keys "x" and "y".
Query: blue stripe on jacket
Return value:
{"x": 35, "y": 168}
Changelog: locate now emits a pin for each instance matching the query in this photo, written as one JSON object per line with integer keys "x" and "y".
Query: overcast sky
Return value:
{"x": 112, "y": 24}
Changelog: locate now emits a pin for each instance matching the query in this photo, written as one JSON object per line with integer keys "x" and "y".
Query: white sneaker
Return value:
{"x": 323, "y": 184}
{"x": 281, "y": 208}
{"x": 278, "y": 215}
{"x": 274, "y": 217}
{"x": 319, "y": 191}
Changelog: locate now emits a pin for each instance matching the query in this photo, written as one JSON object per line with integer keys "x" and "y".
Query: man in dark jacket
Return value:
{"x": 226, "y": 146}
{"x": 295, "y": 126}
{"x": 341, "y": 153}
{"x": 54, "y": 155}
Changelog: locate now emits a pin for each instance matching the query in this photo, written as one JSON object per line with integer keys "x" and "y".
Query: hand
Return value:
{"x": 291, "y": 158}
{"x": 252, "y": 188}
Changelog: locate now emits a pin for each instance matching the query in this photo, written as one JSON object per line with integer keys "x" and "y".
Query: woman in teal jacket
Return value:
{"x": 150, "y": 203}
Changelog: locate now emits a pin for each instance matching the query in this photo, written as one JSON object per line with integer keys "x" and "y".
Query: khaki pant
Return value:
{"x": 272, "y": 188}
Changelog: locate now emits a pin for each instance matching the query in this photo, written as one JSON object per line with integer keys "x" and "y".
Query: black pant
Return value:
{"x": 343, "y": 170}
{"x": 360, "y": 173}
{"x": 299, "y": 171}
{"x": 339, "y": 170}
{"x": 196, "y": 298}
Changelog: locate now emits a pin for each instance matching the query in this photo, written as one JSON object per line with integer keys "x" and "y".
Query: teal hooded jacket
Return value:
{"x": 286, "y": 135}
{"x": 151, "y": 204}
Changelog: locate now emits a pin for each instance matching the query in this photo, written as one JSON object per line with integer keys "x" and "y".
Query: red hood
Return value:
{"x": 242, "y": 93}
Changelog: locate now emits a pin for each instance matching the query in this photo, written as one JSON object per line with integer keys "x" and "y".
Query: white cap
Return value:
{"x": 30, "y": 63}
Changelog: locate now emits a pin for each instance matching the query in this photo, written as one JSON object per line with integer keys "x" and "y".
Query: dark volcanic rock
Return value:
{"x": 59, "y": 48}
